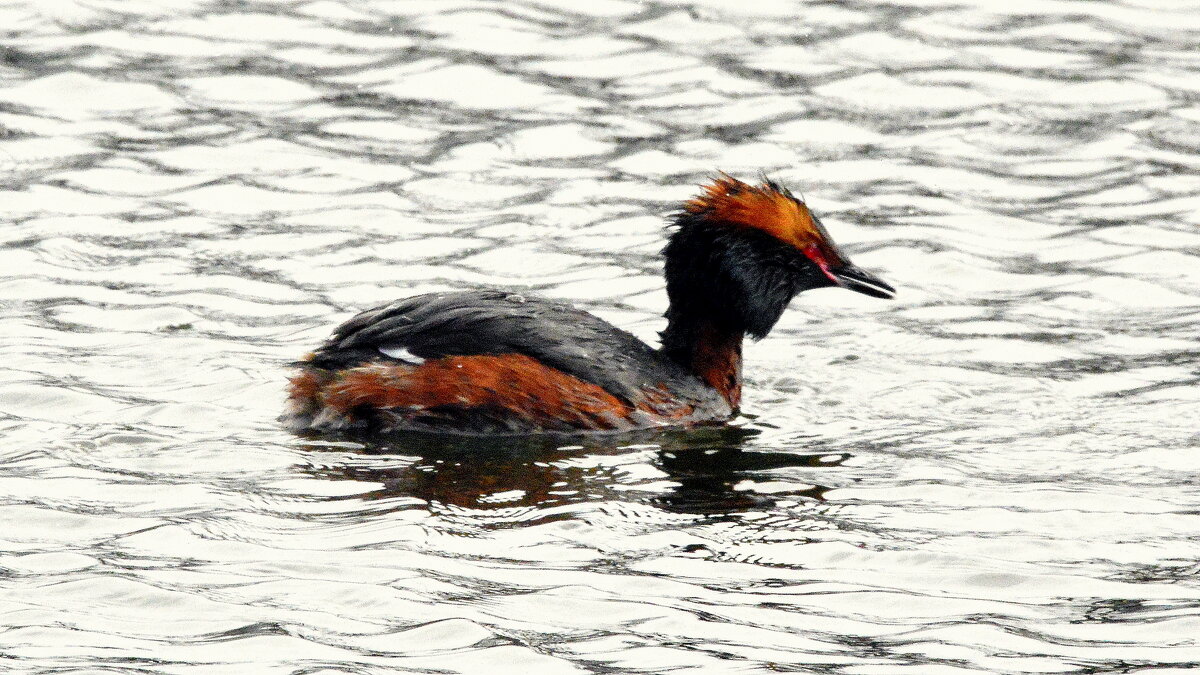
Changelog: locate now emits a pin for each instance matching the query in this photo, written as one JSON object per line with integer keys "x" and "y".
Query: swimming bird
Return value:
{"x": 497, "y": 362}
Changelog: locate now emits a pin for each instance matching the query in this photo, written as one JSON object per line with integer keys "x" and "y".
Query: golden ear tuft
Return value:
{"x": 767, "y": 207}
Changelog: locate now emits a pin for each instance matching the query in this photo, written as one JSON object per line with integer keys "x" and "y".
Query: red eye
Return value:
{"x": 814, "y": 253}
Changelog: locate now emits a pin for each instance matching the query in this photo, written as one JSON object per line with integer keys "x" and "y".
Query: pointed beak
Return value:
{"x": 855, "y": 279}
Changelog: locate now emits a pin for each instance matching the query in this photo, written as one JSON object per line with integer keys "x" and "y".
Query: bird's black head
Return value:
{"x": 740, "y": 253}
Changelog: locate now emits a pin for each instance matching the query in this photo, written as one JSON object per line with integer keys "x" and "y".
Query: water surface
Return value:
{"x": 996, "y": 472}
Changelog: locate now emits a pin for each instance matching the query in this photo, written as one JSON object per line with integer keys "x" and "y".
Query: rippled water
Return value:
{"x": 997, "y": 472}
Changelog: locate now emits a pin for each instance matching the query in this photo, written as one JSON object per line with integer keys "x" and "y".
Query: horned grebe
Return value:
{"x": 488, "y": 362}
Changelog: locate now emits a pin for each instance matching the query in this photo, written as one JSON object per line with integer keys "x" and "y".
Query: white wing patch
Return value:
{"x": 401, "y": 354}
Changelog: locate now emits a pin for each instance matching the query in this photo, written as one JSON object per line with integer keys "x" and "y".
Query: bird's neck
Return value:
{"x": 712, "y": 352}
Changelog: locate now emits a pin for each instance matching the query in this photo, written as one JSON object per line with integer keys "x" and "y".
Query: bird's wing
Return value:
{"x": 468, "y": 323}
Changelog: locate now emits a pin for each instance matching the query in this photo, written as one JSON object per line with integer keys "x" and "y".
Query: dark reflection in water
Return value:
{"x": 705, "y": 469}
{"x": 708, "y": 477}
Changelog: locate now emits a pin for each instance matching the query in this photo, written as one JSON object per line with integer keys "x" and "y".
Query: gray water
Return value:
{"x": 996, "y": 472}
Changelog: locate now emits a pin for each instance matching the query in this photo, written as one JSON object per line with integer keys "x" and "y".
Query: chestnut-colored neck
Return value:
{"x": 712, "y": 353}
